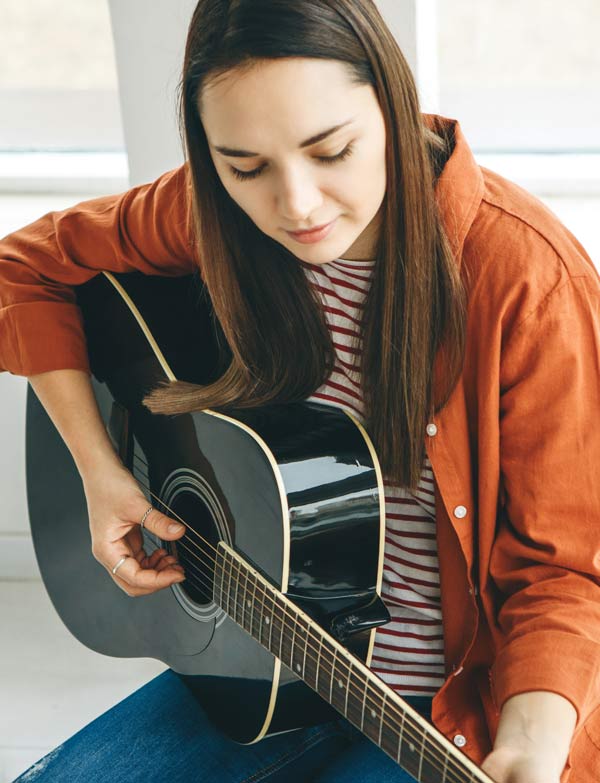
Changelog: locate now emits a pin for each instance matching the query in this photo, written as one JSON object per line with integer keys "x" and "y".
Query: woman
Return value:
{"x": 474, "y": 314}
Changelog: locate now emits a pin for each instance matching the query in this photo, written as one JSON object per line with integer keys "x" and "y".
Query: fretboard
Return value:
{"x": 340, "y": 678}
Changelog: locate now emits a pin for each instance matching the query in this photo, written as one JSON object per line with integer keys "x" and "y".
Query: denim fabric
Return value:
{"x": 160, "y": 733}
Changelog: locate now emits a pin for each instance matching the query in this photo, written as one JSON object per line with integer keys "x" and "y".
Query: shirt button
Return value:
{"x": 460, "y": 512}
{"x": 459, "y": 741}
{"x": 431, "y": 430}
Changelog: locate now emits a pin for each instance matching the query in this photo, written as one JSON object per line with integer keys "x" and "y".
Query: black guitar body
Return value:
{"x": 294, "y": 489}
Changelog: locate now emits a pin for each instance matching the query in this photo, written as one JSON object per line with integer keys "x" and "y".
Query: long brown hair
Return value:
{"x": 280, "y": 345}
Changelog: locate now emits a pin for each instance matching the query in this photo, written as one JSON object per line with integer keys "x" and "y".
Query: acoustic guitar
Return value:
{"x": 283, "y": 553}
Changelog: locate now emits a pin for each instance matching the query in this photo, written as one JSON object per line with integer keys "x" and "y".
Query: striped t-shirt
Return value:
{"x": 409, "y": 651}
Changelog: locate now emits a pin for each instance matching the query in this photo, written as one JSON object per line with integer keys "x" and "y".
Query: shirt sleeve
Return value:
{"x": 147, "y": 228}
{"x": 546, "y": 556}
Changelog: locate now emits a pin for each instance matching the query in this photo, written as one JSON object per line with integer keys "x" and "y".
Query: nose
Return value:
{"x": 299, "y": 196}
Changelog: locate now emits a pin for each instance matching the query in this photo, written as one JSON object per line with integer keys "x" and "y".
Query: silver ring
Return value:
{"x": 145, "y": 515}
{"x": 119, "y": 564}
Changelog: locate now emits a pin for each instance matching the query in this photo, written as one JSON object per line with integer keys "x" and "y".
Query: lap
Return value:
{"x": 161, "y": 732}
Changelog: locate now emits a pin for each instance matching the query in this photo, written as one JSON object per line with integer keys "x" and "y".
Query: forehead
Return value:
{"x": 291, "y": 96}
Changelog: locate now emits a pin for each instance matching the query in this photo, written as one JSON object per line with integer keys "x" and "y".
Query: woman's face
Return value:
{"x": 256, "y": 123}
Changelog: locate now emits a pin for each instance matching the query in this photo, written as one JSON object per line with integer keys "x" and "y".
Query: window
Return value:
{"x": 522, "y": 77}
{"x": 58, "y": 81}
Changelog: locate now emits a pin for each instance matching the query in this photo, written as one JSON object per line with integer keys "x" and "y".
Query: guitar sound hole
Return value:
{"x": 192, "y": 498}
{"x": 196, "y": 549}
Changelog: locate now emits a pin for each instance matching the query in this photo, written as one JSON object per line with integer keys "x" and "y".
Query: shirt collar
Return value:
{"x": 459, "y": 188}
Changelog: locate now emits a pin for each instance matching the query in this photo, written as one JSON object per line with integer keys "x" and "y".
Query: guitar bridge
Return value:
{"x": 359, "y": 619}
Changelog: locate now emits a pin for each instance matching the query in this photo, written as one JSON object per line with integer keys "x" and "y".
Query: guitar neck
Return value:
{"x": 336, "y": 675}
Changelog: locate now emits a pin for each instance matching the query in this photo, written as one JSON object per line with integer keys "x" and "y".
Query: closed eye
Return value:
{"x": 327, "y": 160}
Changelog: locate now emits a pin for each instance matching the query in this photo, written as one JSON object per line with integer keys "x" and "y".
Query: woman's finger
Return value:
{"x": 163, "y": 526}
{"x": 132, "y": 574}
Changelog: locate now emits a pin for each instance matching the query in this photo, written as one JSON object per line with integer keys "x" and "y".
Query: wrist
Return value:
{"x": 538, "y": 724}
{"x": 98, "y": 462}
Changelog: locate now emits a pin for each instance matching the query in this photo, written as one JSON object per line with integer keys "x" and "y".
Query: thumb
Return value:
{"x": 163, "y": 526}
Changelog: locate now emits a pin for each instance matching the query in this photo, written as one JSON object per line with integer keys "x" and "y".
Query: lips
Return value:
{"x": 314, "y": 235}
{"x": 310, "y": 230}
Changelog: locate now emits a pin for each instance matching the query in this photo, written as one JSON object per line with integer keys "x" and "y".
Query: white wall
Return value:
{"x": 16, "y": 549}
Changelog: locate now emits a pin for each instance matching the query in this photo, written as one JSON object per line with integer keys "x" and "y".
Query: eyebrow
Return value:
{"x": 233, "y": 153}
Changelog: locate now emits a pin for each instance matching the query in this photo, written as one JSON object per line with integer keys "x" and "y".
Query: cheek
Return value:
{"x": 363, "y": 189}
{"x": 254, "y": 205}
{"x": 242, "y": 196}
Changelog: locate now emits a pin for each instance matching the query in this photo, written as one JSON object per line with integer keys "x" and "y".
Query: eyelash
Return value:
{"x": 327, "y": 160}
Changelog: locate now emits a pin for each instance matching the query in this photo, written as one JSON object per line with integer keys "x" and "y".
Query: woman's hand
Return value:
{"x": 533, "y": 739}
{"x": 116, "y": 505}
{"x": 507, "y": 765}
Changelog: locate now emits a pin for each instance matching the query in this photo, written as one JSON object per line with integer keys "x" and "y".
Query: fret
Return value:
{"x": 243, "y": 599}
{"x": 311, "y": 661}
{"x": 290, "y": 661}
{"x": 348, "y": 678}
{"x": 364, "y": 705}
{"x": 265, "y": 603}
{"x": 269, "y": 619}
{"x": 288, "y": 635}
{"x": 298, "y": 659}
{"x": 430, "y": 758}
{"x": 389, "y": 737}
{"x": 277, "y": 627}
{"x": 221, "y": 554}
{"x": 306, "y": 643}
{"x": 282, "y": 634}
{"x": 319, "y": 651}
{"x": 422, "y": 757}
{"x": 410, "y": 754}
{"x": 332, "y": 676}
{"x": 445, "y": 769}
{"x": 236, "y": 606}
{"x": 401, "y": 738}
{"x": 228, "y": 587}
{"x": 327, "y": 661}
{"x": 381, "y": 719}
{"x": 372, "y": 717}
{"x": 265, "y": 621}
{"x": 252, "y": 629}
{"x": 339, "y": 695}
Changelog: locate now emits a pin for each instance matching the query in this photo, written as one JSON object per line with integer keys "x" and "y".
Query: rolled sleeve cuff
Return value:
{"x": 549, "y": 661}
{"x": 38, "y": 337}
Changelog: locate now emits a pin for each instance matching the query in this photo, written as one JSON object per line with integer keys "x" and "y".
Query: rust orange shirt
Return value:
{"x": 515, "y": 452}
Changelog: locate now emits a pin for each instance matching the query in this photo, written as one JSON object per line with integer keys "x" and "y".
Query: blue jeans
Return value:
{"x": 160, "y": 733}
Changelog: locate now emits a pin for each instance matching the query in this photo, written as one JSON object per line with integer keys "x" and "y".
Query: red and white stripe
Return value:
{"x": 409, "y": 651}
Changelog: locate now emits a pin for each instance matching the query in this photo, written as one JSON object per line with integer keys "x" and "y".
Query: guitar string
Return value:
{"x": 207, "y": 585}
{"x": 235, "y": 606}
{"x": 238, "y": 605}
{"x": 318, "y": 651}
{"x": 429, "y": 752}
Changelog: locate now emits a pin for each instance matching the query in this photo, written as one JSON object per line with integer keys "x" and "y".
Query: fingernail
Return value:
{"x": 175, "y": 528}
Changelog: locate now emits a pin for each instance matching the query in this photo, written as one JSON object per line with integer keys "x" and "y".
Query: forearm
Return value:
{"x": 539, "y": 721}
{"x": 68, "y": 397}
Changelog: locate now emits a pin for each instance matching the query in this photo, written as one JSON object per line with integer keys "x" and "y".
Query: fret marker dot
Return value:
{"x": 412, "y": 747}
{"x": 373, "y": 714}
{"x": 267, "y": 620}
{"x": 249, "y": 604}
{"x": 298, "y": 667}
{"x": 340, "y": 683}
